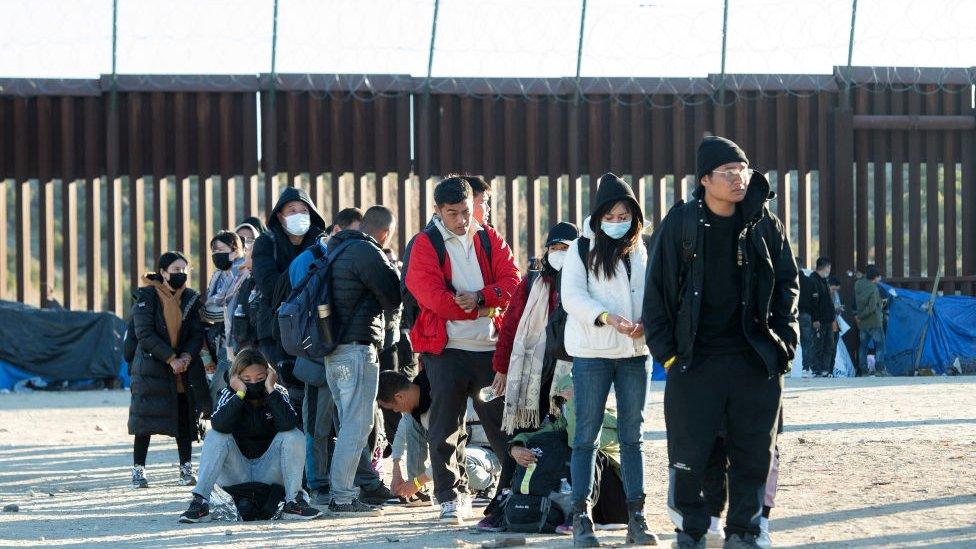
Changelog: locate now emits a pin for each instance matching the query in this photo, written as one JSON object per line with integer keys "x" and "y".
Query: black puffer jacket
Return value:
{"x": 254, "y": 426}
{"x": 815, "y": 298}
{"x": 153, "y": 408}
{"x": 273, "y": 253}
{"x": 770, "y": 292}
{"x": 365, "y": 287}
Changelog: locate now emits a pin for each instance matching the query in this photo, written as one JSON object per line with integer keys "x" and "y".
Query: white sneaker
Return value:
{"x": 715, "y": 537}
{"x": 450, "y": 514}
{"x": 807, "y": 374}
{"x": 763, "y": 540}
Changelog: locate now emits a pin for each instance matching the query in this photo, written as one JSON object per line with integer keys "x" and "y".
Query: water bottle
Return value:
{"x": 564, "y": 487}
{"x": 488, "y": 394}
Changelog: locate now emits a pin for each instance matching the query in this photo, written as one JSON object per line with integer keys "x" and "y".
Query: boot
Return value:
{"x": 637, "y": 532}
{"x": 583, "y": 527}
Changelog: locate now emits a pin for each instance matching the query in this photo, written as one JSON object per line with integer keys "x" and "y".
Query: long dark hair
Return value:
{"x": 607, "y": 251}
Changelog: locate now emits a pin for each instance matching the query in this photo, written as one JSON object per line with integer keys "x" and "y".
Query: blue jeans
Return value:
{"x": 353, "y": 373}
{"x": 867, "y": 335}
{"x": 592, "y": 378}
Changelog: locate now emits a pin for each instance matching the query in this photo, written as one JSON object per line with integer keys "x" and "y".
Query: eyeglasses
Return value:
{"x": 731, "y": 175}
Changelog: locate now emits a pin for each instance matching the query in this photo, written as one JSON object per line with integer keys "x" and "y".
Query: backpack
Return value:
{"x": 556, "y": 333}
{"x": 283, "y": 289}
{"x": 554, "y": 453}
{"x": 411, "y": 309}
{"x": 302, "y": 334}
{"x": 531, "y": 514}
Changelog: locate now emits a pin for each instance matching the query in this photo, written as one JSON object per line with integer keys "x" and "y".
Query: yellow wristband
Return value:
{"x": 669, "y": 362}
{"x": 603, "y": 318}
{"x": 416, "y": 482}
{"x": 241, "y": 394}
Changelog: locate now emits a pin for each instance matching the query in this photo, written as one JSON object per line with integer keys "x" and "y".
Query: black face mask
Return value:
{"x": 177, "y": 280}
{"x": 221, "y": 260}
{"x": 254, "y": 391}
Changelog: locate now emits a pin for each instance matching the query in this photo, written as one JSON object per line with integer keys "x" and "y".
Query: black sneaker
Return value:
{"x": 299, "y": 509}
{"x": 741, "y": 541}
{"x": 379, "y": 496}
{"x": 139, "y": 477}
{"x": 199, "y": 511}
{"x": 355, "y": 508}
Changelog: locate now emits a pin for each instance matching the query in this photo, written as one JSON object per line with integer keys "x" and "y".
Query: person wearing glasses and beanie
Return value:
{"x": 602, "y": 292}
{"x": 720, "y": 312}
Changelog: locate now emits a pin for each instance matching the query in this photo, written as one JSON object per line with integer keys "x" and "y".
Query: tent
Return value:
{"x": 58, "y": 345}
{"x": 951, "y": 332}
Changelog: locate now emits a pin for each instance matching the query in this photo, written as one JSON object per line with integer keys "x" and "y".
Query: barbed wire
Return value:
{"x": 325, "y": 48}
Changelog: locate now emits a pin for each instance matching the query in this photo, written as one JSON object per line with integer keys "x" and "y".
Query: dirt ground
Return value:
{"x": 866, "y": 463}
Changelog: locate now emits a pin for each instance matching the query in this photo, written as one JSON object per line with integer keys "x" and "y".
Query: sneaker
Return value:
{"x": 764, "y": 540}
{"x": 139, "y": 477}
{"x": 715, "y": 537}
{"x": 198, "y": 511}
{"x": 420, "y": 499}
{"x": 355, "y": 508}
{"x": 452, "y": 512}
{"x": 565, "y": 529}
{"x": 186, "y": 475}
{"x": 492, "y": 523}
{"x": 482, "y": 498}
{"x": 299, "y": 509}
{"x": 741, "y": 541}
{"x": 379, "y": 496}
{"x": 806, "y": 374}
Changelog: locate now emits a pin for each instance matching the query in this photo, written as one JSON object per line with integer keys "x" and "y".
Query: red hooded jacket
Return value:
{"x": 428, "y": 283}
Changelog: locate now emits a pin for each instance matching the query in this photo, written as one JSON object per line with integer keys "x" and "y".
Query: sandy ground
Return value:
{"x": 866, "y": 463}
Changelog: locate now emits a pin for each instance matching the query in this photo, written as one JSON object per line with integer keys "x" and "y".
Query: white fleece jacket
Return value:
{"x": 585, "y": 298}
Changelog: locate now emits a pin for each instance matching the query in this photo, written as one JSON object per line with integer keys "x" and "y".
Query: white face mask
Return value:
{"x": 556, "y": 259}
{"x": 298, "y": 224}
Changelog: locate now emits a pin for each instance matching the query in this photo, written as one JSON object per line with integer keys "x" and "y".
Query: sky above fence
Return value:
{"x": 523, "y": 38}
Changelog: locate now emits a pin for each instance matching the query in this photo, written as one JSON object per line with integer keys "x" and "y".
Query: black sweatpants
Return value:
{"x": 715, "y": 488}
{"x": 454, "y": 376}
{"x": 734, "y": 391}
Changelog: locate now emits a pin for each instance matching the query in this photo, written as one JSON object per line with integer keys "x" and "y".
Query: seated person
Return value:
{"x": 254, "y": 438}
{"x": 412, "y": 401}
{"x": 609, "y": 501}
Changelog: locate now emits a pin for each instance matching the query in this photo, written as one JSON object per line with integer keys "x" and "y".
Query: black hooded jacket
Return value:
{"x": 672, "y": 299}
{"x": 273, "y": 253}
{"x": 364, "y": 287}
{"x": 254, "y": 426}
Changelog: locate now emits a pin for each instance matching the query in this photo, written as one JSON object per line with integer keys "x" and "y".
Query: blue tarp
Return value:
{"x": 951, "y": 333}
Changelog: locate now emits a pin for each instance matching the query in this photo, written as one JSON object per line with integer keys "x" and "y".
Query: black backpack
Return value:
{"x": 411, "y": 309}
{"x": 531, "y": 514}
{"x": 553, "y": 452}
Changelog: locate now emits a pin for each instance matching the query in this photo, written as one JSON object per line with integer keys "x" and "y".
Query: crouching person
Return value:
{"x": 254, "y": 438}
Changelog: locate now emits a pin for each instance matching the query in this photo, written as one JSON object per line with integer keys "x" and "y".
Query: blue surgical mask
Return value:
{"x": 615, "y": 230}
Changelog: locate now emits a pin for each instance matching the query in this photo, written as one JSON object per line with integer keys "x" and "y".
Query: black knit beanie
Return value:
{"x": 714, "y": 151}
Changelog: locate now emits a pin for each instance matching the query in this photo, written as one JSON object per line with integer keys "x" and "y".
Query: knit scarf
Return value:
{"x": 172, "y": 312}
{"x": 528, "y": 357}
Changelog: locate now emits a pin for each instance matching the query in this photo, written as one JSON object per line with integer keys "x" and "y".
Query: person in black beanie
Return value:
{"x": 602, "y": 291}
{"x": 720, "y": 312}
